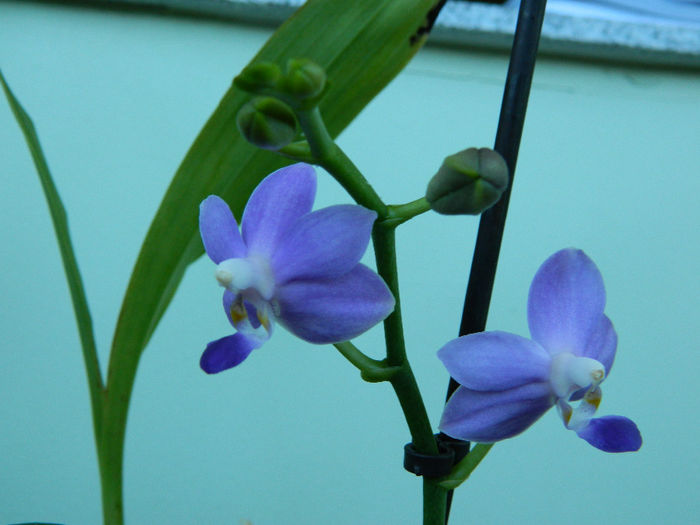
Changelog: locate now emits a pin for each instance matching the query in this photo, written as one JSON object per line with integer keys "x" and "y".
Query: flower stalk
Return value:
{"x": 372, "y": 370}
{"x": 329, "y": 156}
{"x": 400, "y": 213}
{"x": 404, "y": 382}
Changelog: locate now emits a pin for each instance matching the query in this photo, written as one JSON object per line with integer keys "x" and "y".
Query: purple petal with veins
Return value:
{"x": 280, "y": 200}
{"x": 486, "y": 417}
{"x": 335, "y": 310}
{"x": 219, "y": 230}
{"x": 495, "y": 361}
{"x": 323, "y": 244}
{"x": 602, "y": 344}
{"x": 565, "y": 302}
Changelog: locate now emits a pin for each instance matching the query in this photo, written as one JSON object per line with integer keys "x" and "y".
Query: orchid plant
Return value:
{"x": 301, "y": 268}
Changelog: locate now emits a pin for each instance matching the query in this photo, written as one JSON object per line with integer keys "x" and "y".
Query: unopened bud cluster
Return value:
{"x": 268, "y": 120}
{"x": 300, "y": 85}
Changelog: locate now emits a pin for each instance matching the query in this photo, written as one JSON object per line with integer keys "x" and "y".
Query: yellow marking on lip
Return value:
{"x": 238, "y": 314}
{"x": 595, "y": 402}
{"x": 593, "y": 398}
{"x": 566, "y": 413}
{"x": 264, "y": 320}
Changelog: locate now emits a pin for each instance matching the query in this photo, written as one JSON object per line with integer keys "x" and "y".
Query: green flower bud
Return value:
{"x": 267, "y": 123}
{"x": 468, "y": 182}
{"x": 257, "y": 77}
{"x": 304, "y": 79}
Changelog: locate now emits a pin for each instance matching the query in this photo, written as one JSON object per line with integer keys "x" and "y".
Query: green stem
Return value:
{"x": 403, "y": 382}
{"x": 434, "y": 503}
{"x": 332, "y": 158}
{"x": 372, "y": 370}
{"x": 411, "y": 401}
{"x": 400, "y": 213}
{"x": 329, "y": 156}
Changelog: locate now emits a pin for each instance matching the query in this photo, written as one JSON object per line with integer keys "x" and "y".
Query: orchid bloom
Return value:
{"x": 507, "y": 381}
{"x": 291, "y": 265}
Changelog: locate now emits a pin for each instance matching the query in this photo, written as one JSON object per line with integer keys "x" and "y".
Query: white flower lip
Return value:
{"x": 570, "y": 373}
{"x": 237, "y": 275}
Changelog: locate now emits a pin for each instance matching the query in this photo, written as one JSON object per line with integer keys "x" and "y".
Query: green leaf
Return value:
{"x": 362, "y": 45}
{"x": 70, "y": 265}
{"x": 462, "y": 470}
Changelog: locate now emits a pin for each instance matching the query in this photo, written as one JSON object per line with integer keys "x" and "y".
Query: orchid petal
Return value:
{"x": 495, "y": 361}
{"x": 612, "y": 434}
{"x": 602, "y": 344}
{"x": 226, "y": 353}
{"x": 334, "y": 310}
{"x": 219, "y": 230}
{"x": 486, "y": 417}
{"x": 323, "y": 244}
{"x": 277, "y": 203}
{"x": 566, "y": 302}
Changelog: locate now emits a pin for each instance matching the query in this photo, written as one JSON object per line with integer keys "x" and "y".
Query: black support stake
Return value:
{"x": 510, "y": 129}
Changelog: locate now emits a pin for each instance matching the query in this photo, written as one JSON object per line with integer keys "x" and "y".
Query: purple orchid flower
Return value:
{"x": 291, "y": 265}
{"x": 507, "y": 382}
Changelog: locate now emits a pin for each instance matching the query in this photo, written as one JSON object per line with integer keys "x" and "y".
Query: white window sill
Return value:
{"x": 645, "y": 40}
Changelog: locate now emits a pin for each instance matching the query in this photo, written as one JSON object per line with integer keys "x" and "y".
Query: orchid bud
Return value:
{"x": 267, "y": 123}
{"x": 304, "y": 79}
{"x": 258, "y": 77}
{"x": 468, "y": 182}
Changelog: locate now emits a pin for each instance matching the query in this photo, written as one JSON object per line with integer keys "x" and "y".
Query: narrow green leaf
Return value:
{"x": 70, "y": 265}
{"x": 362, "y": 45}
{"x": 461, "y": 472}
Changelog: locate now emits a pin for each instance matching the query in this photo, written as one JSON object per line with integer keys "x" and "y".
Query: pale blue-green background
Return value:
{"x": 609, "y": 164}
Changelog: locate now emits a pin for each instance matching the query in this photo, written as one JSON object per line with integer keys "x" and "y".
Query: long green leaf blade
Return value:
{"x": 70, "y": 265}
